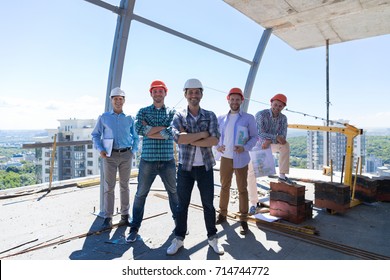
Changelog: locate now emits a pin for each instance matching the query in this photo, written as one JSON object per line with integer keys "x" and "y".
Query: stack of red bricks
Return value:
{"x": 383, "y": 191}
{"x": 332, "y": 196}
{"x": 288, "y": 202}
{"x": 372, "y": 189}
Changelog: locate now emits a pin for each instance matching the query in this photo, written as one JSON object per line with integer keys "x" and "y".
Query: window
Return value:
{"x": 79, "y": 148}
{"x": 79, "y": 164}
{"x": 79, "y": 173}
{"x": 79, "y": 156}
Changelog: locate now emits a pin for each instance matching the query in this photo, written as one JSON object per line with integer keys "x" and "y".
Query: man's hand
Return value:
{"x": 266, "y": 144}
{"x": 280, "y": 139}
{"x": 221, "y": 149}
{"x": 103, "y": 154}
{"x": 238, "y": 149}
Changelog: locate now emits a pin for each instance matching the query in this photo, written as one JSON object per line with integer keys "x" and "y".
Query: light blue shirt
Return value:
{"x": 118, "y": 127}
{"x": 240, "y": 160}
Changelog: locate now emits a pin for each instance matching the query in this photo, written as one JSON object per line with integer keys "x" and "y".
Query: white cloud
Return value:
{"x": 22, "y": 113}
{"x": 379, "y": 119}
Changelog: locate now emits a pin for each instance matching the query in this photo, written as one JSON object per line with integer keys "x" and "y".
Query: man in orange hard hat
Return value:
{"x": 154, "y": 124}
{"x": 272, "y": 131}
{"x": 238, "y": 136}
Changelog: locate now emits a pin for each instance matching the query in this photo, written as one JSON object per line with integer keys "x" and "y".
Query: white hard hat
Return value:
{"x": 117, "y": 92}
{"x": 193, "y": 83}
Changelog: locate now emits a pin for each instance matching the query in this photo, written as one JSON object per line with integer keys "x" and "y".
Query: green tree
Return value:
{"x": 28, "y": 167}
{"x": 298, "y": 162}
{"x": 14, "y": 176}
{"x": 14, "y": 169}
{"x": 379, "y": 146}
{"x": 9, "y": 180}
{"x": 298, "y": 146}
{"x": 27, "y": 179}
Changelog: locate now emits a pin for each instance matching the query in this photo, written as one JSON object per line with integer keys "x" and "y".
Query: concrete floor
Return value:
{"x": 43, "y": 220}
{"x": 60, "y": 226}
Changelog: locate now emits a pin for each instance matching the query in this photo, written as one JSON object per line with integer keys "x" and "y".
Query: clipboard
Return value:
{"x": 107, "y": 144}
{"x": 242, "y": 136}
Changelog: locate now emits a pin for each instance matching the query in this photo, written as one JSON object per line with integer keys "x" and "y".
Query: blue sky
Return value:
{"x": 55, "y": 59}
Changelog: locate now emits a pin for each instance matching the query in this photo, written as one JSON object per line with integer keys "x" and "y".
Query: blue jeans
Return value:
{"x": 185, "y": 184}
{"x": 148, "y": 170}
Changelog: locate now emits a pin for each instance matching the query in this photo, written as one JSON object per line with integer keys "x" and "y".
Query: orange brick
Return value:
{"x": 292, "y": 213}
{"x": 294, "y": 190}
{"x": 340, "y": 208}
{"x": 286, "y": 197}
{"x": 336, "y": 192}
{"x": 383, "y": 191}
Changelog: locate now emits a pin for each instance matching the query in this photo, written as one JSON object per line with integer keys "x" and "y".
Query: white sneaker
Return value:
{"x": 175, "y": 246}
{"x": 216, "y": 247}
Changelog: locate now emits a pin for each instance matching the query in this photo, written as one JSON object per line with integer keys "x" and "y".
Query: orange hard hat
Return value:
{"x": 281, "y": 98}
{"x": 156, "y": 84}
{"x": 235, "y": 91}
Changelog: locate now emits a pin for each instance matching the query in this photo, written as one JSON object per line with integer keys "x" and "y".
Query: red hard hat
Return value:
{"x": 281, "y": 98}
{"x": 235, "y": 91}
{"x": 156, "y": 84}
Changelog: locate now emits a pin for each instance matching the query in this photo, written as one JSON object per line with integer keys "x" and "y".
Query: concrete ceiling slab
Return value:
{"x": 304, "y": 24}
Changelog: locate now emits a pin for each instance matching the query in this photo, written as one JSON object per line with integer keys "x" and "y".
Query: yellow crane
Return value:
{"x": 350, "y": 132}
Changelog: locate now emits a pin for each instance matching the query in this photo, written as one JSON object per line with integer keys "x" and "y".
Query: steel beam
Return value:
{"x": 189, "y": 38}
{"x": 254, "y": 67}
{"x": 105, "y": 5}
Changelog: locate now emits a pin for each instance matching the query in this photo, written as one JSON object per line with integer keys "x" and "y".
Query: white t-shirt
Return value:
{"x": 228, "y": 140}
{"x": 198, "y": 160}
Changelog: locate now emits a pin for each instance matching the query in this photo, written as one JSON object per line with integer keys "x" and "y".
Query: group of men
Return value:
{"x": 196, "y": 131}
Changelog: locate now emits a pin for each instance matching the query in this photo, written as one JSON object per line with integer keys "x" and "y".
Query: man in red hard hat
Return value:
{"x": 272, "y": 131}
{"x": 154, "y": 124}
{"x": 238, "y": 136}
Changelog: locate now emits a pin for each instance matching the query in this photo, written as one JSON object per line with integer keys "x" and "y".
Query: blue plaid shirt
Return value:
{"x": 269, "y": 127}
{"x": 184, "y": 122}
{"x": 155, "y": 149}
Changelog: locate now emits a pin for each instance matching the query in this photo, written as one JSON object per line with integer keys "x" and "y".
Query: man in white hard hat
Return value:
{"x": 115, "y": 138}
{"x": 196, "y": 131}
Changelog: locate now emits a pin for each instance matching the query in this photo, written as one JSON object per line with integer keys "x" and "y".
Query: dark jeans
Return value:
{"x": 148, "y": 170}
{"x": 185, "y": 184}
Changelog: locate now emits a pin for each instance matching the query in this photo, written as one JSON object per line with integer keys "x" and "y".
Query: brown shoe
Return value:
{"x": 220, "y": 219}
{"x": 244, "y": 228}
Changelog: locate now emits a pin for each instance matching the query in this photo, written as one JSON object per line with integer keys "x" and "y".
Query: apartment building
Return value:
{"x": 71, "y": 161}
{"x": 317, "y": 149}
